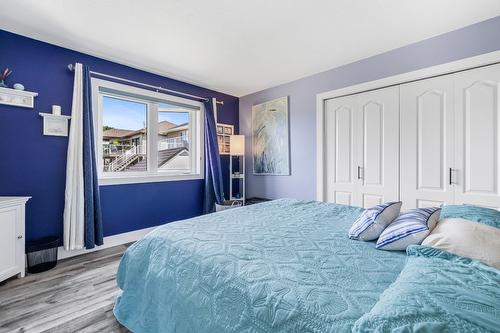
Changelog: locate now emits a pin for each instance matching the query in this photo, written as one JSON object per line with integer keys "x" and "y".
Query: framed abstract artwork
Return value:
{"x": 270, "y": 138}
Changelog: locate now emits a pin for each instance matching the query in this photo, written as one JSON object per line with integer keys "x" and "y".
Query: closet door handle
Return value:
{"x": 359, "y": 172}
{"x": 450, "y": 176}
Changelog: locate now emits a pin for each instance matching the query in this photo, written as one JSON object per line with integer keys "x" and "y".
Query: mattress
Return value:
{"x": 279, "y": 266}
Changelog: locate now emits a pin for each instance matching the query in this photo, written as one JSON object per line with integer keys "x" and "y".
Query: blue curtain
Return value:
{"x": 214, "y": 192}
{"x": 93, "y": 216}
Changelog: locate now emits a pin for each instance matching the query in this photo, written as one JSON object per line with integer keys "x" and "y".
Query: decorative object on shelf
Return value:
{"x": 270, "y": 138}
{"x": 4, "y": 76}
{"x": 56, "y": 110}
{"x": 18, "y": 86}
{"x": 224, "y": 131}
{"x": 15, "y": 97}
{"x": 54, "y": 123}
{"x": 237, "y": 149}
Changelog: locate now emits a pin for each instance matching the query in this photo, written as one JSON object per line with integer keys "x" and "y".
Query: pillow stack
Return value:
{"x": 463, "y": 230}
{"x": 394, "y": 231}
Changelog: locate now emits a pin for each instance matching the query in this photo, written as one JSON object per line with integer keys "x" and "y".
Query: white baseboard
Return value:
{"x": 109, "y": 241}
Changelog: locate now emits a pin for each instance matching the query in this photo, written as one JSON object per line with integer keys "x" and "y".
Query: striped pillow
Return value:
{"x": 409, "y": 228}
{"x": 373, "y": 221}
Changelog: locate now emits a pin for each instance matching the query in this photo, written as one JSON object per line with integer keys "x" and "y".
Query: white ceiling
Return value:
{"x": 238, "y": 47}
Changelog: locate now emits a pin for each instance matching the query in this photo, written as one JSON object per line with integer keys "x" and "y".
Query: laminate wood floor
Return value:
{"x": 76, "y": 296}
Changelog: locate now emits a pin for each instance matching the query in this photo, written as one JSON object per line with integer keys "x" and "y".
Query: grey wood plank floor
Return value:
{"x": 76, "y": 296}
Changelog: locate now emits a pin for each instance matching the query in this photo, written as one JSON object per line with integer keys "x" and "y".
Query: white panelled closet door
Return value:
{"x": 477, "y": 152}
{"x": 377, "y": 146}
{"x": 339, "y": 152}
{"x": 427, "y": 142}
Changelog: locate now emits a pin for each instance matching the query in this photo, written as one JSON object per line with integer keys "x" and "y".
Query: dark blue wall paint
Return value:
{"x": 34, "y": 165}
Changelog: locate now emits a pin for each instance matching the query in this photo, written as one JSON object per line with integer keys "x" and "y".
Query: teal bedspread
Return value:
{"x": 438, "y": 292}
{"x": 279, "y": 266}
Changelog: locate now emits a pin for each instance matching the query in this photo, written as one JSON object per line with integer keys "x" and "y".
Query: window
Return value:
{"x": 144, "y": 136}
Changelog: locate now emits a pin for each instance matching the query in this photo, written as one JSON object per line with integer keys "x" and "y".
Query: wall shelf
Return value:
{"x": 25, "y": 99}
{"x": 54, "y": 124}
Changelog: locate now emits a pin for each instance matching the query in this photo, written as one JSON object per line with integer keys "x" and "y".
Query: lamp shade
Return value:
{"x": 237, "y": 145}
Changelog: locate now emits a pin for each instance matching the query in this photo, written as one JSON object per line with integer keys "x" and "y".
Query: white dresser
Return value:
{"x": 12, "y": 258}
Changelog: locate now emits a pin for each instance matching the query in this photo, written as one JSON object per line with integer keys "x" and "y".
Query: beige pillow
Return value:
{"x": 467, "y": 239}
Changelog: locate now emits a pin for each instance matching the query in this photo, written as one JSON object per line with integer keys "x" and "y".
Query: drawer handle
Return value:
{"x": 20, "y": 236}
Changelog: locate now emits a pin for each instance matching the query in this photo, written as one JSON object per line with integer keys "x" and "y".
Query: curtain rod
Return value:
{"x": 204, "y": 99}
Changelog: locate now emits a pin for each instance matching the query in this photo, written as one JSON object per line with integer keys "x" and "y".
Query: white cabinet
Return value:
{"x": 12, "y": 256}
{"x": 362, "y": 148}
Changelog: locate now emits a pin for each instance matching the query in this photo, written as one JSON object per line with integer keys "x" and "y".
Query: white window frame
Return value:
{"x": 195, "y": 129}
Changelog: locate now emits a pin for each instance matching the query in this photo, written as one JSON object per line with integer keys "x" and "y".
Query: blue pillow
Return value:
{"x": 374, "y": 220}
{"x": 437, "y": 292}
{"x": 409, "y": 228}
{"x": 482, "y": 215}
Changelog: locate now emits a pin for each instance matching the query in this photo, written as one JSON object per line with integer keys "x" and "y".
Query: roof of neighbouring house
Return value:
{"x": 165, "y": 126}
{"x": 119, "y": 133}
{"x": 176, "y": 128}
{"x": 164, "y": 156}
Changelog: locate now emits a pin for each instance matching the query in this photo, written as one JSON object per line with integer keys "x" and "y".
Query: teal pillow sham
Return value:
{"x": 437, "y": 292}
{"x": 483, "y": 215}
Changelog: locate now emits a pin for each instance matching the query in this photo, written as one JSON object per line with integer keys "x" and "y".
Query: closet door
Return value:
{"x": 427, "y": 135}
{"x": 340, "y": 181}
{"x": 477, "y": 153}
{"x": 377, "y": 146}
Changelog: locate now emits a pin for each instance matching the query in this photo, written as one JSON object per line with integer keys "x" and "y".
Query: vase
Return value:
{"x": 2, "y": 84}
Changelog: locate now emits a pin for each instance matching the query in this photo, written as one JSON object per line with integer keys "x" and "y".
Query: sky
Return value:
{"x": 124, "y": 114}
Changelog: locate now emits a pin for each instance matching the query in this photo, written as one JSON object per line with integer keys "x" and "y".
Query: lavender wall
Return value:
{"x": 470, "y": 41}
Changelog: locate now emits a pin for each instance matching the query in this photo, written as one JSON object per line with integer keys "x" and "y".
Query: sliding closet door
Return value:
{"x": 340, "y": 181}
{"x": 427, "y": 141}
{"x": 377, "y": 146}
{"x": 477, "y": 137}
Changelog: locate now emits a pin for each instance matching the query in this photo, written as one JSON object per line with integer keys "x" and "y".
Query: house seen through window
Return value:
{"x": 147, "y": 136}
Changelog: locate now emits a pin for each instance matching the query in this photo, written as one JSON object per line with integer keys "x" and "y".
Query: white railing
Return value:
{"x": 123, "y": 159}
{"x": 170, "y": 143}
{"x": 110, "y": 149}
{"x": 126, "y": 154}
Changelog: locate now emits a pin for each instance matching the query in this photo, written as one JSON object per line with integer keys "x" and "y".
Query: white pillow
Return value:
{"x": 373, "y": 221}
{"x": 467, "y": 239}
{"x": 409, "y": 228}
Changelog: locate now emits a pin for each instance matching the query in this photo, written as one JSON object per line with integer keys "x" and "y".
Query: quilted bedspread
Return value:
{"x": 438, "y": 292}
{"x": 279, "y": 266}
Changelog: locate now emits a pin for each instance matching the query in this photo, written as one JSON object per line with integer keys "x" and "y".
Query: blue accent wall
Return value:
{"x": 32, "y": 164}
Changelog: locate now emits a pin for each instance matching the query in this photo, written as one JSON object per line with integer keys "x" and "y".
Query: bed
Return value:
{"x": 279, "y": 266}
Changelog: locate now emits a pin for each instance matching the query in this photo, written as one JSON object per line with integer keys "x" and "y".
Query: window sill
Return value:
{"x": 138, "y": 179}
